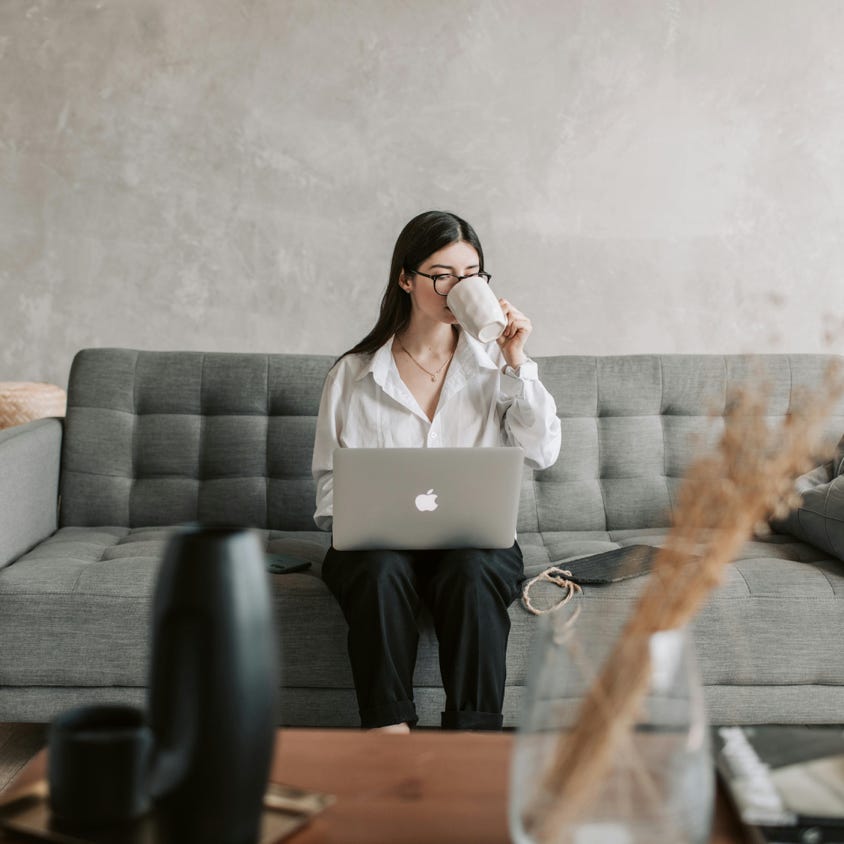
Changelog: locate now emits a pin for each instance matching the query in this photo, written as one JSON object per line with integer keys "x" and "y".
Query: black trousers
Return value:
{"x": 466, "y": 590}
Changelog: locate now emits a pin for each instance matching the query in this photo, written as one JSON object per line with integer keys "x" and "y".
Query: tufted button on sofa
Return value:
{"x": 156, "y": 439}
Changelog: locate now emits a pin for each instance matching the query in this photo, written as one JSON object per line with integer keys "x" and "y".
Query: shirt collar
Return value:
{"x": 379, "y": 364}
{"x": 470, "y": 356}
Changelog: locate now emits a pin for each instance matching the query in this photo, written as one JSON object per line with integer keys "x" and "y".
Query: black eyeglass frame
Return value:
{"x": 482, "y": 274}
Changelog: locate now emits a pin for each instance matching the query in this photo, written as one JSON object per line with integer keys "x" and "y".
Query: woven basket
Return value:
{"x": 23, "y": 401}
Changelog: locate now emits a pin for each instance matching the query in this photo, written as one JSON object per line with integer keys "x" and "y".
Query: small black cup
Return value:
{"x": 99, "y": 758}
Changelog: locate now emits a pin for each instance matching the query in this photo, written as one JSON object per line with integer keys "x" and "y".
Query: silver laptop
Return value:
{"x": 417, "y": 498}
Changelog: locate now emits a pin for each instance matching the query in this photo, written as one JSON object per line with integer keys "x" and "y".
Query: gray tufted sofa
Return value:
{"x": 154, "y": 439}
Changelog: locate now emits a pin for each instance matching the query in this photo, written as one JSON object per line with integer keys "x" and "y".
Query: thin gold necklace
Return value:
{"x": 432, "y": 375}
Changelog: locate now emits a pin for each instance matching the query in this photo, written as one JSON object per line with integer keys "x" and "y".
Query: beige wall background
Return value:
{"x": 207, "y": 174}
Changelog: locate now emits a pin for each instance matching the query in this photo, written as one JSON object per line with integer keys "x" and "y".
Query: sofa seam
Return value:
{"x": 182, "y": 477}
{"x": 664, "y": 446}
{"x": 267, "y": 454}
{"x": 202, "y": 424}
{"x": 746, "y": 584}
{"x": 788, "y": 411}
{"x": 826, "y": 577}
{"x": 134, "y": 436}
{"x": 173, "y": 413}
{"x": 598, "y": 442}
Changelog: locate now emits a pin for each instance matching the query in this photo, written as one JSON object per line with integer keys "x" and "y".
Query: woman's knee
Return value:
{"x": 366, "y": 571}
{"x": 467, "y": 569}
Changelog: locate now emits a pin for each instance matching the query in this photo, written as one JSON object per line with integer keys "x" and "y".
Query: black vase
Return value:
{"x": 212, "y": 687}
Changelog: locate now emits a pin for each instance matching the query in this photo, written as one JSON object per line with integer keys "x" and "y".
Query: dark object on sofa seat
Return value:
{"x": 212, "y": 686}
{"x": 819, "y": 519}
{"x": 285, "y": 564}
{"x": 610, "y": 566}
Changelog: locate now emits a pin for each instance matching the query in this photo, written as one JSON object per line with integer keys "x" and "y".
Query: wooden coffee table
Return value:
{"x": 430, "y": 787}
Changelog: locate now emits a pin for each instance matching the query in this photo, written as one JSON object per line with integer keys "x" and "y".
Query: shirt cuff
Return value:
{"x": 514, "y": 381}
{"x": 528, "y": 371}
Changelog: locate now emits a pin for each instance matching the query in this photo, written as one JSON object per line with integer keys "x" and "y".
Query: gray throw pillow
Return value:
{"x": 819, "y": 519}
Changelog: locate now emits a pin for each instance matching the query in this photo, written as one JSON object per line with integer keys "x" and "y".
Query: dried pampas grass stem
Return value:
{"x": 745, "y": 480}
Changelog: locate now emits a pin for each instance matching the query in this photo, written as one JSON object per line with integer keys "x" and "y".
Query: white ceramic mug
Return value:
{"x": 476, "y": 308}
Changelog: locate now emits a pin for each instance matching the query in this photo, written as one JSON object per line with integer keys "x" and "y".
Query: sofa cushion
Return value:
{"x": 88, "y": 591}
{"x": 775, "y": 585}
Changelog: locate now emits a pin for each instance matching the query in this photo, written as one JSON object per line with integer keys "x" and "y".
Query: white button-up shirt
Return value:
{"x": 365, "y": 404}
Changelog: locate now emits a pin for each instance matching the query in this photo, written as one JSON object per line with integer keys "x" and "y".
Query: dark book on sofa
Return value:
{"x": 611, "y": 566}
{"x": 787, "y": 783}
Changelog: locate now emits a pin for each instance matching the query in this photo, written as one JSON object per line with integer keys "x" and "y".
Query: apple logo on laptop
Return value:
{"x": 426, "y": 501}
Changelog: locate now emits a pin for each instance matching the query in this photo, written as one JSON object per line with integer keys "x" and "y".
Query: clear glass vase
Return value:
{"x": 658, "y": 784}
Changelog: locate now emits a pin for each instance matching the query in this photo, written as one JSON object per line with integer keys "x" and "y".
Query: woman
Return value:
{"x": 418, "y": 380}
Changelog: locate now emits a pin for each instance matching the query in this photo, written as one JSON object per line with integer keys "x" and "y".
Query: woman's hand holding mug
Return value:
{"x": 489, "y": 318}
{"x": 513, "y": 338}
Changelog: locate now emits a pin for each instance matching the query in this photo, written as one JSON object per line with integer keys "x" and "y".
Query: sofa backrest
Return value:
{"x": 157, "y": 438}
{"x": 632, "y": 424}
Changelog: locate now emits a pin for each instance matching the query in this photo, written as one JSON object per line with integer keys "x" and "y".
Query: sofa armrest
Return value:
{"x": 30, "y": 456}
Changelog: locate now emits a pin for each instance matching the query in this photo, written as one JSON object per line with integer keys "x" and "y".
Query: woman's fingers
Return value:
{"x": 517, "y": 322}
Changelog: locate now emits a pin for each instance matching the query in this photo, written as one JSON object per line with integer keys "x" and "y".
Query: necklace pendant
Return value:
{"x": 433, "y": 378}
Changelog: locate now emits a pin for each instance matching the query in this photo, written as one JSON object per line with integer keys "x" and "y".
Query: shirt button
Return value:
{"x": 433, "y": 435}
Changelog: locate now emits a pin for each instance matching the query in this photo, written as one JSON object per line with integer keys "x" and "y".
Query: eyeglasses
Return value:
{"x": 444, "y": 283}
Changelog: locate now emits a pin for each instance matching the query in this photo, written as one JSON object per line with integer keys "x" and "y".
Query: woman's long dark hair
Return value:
{"x": 420, "y": 238}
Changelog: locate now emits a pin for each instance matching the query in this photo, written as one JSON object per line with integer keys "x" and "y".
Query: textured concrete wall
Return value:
{"x": 207, "y": 174}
